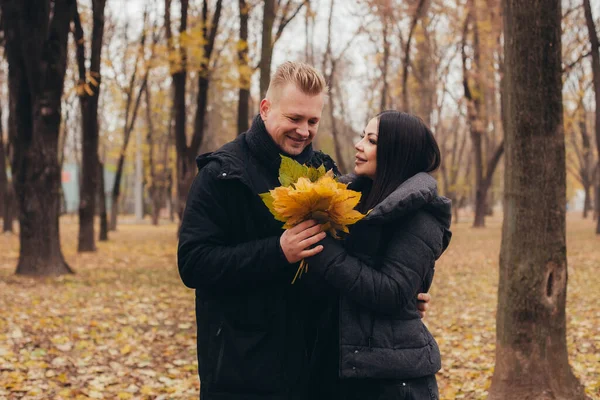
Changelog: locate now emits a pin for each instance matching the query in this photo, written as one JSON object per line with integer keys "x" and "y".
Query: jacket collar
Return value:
{"x": 266, "y": 151}
{"x": 255, "y": 145}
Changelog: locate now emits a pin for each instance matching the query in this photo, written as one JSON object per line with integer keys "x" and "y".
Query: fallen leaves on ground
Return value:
{"x": 123, "y": 327}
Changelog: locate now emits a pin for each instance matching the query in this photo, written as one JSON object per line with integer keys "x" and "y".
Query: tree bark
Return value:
{"x": 243, "y": 70}
{"x": 103, "y": 234}
{"x": 159, "y": 179}
{"x": 587, "y": 201}
{"x": 329, "y": 69}
{"x": 597, "y": 198}
{"x": 421, "y": 7}
{"x": 586, "y": 160}
{"x": 8, "y": 210}
{"x": 186, "y": 155}
{"x": 266, "y": 51}
{"x": 36, "y": 48}
{"x": 478, "y": 120}
{"x": 129, "y": 124}
{"x": 474, "y": 111}
{"x": 531, "y": 349}
{"x": 385, "y": 60}
{"x": 593, "y": 35}
{"x": 89, "y": 95}
{"x": 179, "y": 79}
{"x": 8, "y": 200}
{"x": 3, "y": 174}
{"x": 425, "y": 70}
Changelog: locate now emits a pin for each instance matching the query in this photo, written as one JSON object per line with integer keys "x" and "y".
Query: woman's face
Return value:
{"x": 365, "y": 163}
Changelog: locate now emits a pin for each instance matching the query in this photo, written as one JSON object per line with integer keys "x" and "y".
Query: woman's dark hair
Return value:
{"x": 405, "y": 147}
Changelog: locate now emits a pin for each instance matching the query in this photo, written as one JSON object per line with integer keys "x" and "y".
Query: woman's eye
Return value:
{"x": 372, "y": 141}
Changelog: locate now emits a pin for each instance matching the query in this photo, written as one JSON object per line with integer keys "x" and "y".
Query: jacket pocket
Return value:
{"x": 247, "y": 361}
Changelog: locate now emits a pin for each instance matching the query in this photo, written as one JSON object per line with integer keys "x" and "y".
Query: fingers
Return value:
{"x": 303, "y": 226}
{"x": 309, "y": 241}
{"x": 424, "y": 297}
{"x": 311, "y": 252}
{"x": 307, "y": 233}
{"x": 423, "y": 304}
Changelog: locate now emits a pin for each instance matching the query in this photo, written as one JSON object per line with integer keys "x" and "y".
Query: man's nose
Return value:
{"x": 302, "y": 129}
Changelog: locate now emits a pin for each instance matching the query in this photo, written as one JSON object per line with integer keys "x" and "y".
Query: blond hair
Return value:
{"x": 306, "y": 78}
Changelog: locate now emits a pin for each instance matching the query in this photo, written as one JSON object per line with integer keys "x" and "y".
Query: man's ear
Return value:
{"x": 265, "y": 107}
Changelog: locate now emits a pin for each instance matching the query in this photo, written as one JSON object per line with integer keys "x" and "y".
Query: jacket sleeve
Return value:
{"x": 206, "y": 256}
{"x": 387, "y": 290}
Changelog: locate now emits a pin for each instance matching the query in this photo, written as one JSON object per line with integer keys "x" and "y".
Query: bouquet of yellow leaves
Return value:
{"x": 312, "y": 193}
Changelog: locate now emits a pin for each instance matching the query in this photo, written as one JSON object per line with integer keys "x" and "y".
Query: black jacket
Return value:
{"x": 387, "y": 259}
{"x": 251, "y": 342}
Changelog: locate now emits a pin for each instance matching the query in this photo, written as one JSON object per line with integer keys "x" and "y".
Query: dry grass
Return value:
{"x": 123, "y": 326}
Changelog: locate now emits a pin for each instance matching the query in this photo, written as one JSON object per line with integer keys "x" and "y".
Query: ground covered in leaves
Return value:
{"x": 123, "y": 326}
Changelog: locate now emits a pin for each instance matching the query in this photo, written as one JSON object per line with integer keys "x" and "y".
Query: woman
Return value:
{"x": 372, "y": 343}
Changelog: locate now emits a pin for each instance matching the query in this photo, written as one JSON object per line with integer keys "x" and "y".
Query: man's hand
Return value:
{"x": 296, "y": 242}
{"x": 423, "y": 303}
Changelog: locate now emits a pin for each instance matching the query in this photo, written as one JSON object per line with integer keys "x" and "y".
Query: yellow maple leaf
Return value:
{"x": 305, "y": 196}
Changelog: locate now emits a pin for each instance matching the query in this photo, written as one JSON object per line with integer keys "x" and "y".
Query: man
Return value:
{"x": 251, "y": 321}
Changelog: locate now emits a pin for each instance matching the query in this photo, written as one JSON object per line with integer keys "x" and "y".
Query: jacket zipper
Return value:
{"x": 220, "y": 356}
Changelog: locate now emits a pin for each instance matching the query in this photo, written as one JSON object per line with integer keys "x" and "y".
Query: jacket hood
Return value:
{"x": 416, "y": 193}
{"x": 230, "y": 158}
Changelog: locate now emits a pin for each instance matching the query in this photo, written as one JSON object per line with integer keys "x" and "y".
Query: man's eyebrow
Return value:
{"x": 299, "y": 116}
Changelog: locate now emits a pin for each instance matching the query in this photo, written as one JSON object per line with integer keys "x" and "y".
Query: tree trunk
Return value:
{"x": 116, "y": 194}
{"x": 129, "y": 125}
{"x": 138, "y": 193}
{"x": 179, "y": 80}
{"x": 593, "y": 35}
{"x": 531, "y": 349}
{"x": 587, "y": 201}
{"x": 8, "y": 209}
{"x": 266, "y": 51}
{"x": 385, "y": 62}
{"x": 89, "y": 112}
{"x": 489, "y": 204}
{"x": 597, "y": 199}
{"x": 8, "y": 204}
{"x": 244, "y": 70}
{"x": 3, "y": 175}
{"x": 330, "y": 77}
{"x": 339, "y": 155}
{"x": 36, "y": 48}
{"x": 406, "y": 62}
{"x": 426, "y": 71}
{"x": 186, "y": 155}
{"x": 103, "y": 236}
{"x": 455, "y": 210}
{"x": 480, "y": 205}
{"x": 475, "y": 113}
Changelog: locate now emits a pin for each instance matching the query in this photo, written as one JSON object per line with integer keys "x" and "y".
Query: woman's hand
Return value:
{"x": 423, "y": 300}
{"x": 296, "y": 242}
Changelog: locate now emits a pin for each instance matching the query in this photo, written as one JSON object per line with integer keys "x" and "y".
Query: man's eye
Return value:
{"x": 294, "y": 119}
{"x": 312, "y": 122}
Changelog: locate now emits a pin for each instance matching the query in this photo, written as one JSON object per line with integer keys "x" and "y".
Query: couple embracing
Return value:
{"x": 351, "y": 328}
